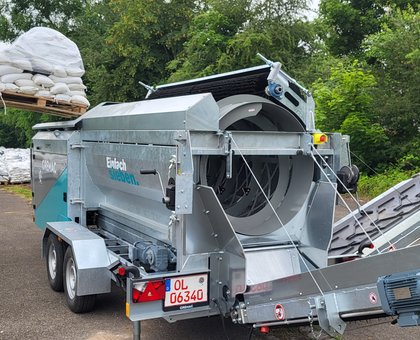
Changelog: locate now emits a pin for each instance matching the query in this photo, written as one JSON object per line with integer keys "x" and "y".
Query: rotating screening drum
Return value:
{"x": 286, "y": 180}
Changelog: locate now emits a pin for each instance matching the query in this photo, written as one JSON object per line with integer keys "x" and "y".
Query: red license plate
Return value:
{"x": 186, "y": 292}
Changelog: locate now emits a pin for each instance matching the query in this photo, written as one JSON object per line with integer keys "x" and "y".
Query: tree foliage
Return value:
{"x": 226, "y": 37}
{"x": 109, "y": 76}
{"x": 361, "y": 58}
{"x": 378, "y": 105}
{"x": 395, "y": 55}
{"x": 145, "y": 36}
{"x": 17, "y": 17}
{"x": 345, "y": 103}
{"x": 16, "y": 127}
{"x": 351, "y": 21}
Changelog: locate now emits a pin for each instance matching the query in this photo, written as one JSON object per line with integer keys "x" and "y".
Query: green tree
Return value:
{"x": 109, "y": 76}
{"x": 283, "y": 10}
{"x": 16, "y": 127}
{"x": 347, "y": 90}
{"x": 345, "y": 103}
{"x": 147, "y": 35}
{"x": 222, "y": 40}
{"x": 350, "y": 21}
{"x": 18, "y": 16}
{"x": 395, "y": 55}
{"x": 208, "y": 38}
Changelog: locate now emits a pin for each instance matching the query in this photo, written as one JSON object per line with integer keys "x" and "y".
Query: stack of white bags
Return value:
{"x": 44, "y": 63}
{"x": 4, "y": 174}
{"x": 15, "y": 165}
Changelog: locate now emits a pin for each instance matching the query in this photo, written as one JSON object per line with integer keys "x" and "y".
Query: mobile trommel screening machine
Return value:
{"x": 213, "y": 196}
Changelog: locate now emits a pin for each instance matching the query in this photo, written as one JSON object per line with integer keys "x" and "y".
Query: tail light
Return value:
{"x": 148, "y": 291}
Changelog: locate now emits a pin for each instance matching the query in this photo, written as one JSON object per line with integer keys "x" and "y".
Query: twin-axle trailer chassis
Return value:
{"x": 197, "y": 208}
{"x": 349, "y": 289}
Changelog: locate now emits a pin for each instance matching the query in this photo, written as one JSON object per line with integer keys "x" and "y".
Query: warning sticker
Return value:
{"x": 279, "y": 312}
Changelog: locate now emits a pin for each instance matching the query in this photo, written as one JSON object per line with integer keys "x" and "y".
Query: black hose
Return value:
{"x": 250, "y": 332}
{"x": 222, "y": 318}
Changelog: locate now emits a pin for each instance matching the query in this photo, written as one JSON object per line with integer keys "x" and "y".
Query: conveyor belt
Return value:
{"x": 252, "y": 81}
{"x": 388, "y": 211}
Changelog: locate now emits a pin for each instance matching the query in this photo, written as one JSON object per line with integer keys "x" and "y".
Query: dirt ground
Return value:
{"x": 29, "y": 309}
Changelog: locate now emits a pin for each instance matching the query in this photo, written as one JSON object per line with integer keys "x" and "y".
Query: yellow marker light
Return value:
{"x": 127, "y": 309}
{"x": 320, "y": 138}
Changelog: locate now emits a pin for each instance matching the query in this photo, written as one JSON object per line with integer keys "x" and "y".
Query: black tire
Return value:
{"x": 54, "y": 262}
{"x": 77, "y": 304}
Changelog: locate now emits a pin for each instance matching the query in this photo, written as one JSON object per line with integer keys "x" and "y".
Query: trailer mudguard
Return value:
{"x": 90, "y": 254}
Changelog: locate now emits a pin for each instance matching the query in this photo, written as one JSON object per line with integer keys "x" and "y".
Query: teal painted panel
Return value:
{"x": 53, "y": 208}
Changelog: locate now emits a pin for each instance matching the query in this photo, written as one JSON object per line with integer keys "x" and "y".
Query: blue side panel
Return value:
{"x": 53, "y": 208}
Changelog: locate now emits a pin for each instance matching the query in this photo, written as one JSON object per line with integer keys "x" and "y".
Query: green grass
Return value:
{"x": 22, "y": 190}
{"x": 372, "y": 186}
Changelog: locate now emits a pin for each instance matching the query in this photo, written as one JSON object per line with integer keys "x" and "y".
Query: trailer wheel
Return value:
{"x": 77, "y": 304}
{"x": 54, "y": 260}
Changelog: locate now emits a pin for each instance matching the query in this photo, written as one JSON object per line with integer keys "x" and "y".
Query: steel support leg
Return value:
{"x": 136, "y": 330}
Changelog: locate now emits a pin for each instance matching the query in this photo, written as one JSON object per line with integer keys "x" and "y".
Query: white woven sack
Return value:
{"x": 77, "y": 93}
{"x": 62, "y": 98}
{"x": 11, "y": 78}
{"x": 80, "y": 100}
{"x": 76, "y": 87}
{"x": 66, "y": 80}
{"x": 22, "y": 64}
{"x": 28, "y": 89}
{"x": 25, "y": 82}
{"x": 44, "y": 46}
{"x": 75, "y": 72}
{"x": 18, "y": 165}
{"x": 8, "y": 69}
{"x": 41, "y": 80}
{"x": 10, "y": 87}
{"x": 4, "y": 59}
{"x": 59, "y": 71}
{"x": 43, "y": 67}
{"x": 44, "y": 94}
{"x": 59, "y": 88}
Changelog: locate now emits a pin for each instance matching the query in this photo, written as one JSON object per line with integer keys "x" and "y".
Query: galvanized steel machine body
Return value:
{"x": 172, "y": 185}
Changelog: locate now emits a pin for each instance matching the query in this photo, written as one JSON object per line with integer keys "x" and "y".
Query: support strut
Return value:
{"x": 136, "y": 330}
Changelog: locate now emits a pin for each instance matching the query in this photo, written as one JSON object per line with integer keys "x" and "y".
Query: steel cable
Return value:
{"x": 278, "y": 218}
{"x": 354, "y": 199}
{"x": 342, "y": 199}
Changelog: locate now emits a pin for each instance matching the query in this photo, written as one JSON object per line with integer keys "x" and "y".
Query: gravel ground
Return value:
{"x": 29, "y": 309}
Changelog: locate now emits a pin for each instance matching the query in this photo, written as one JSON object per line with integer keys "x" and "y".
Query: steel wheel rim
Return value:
{"x": 71, "y": 278}
{"x": 52, "y": 261}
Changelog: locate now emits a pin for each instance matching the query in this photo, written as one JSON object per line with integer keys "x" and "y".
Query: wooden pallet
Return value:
{"x": 42, "y": 105}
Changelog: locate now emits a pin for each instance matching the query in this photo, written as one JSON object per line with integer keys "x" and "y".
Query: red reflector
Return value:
{"x": 136, "y": 295}
{"x": 371, "y": 246}
{"x": 121, "y": 271}
{"x": 265, "y": 329}
{"x": 323, "y": 138}
{"x": 150, "y": 291}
